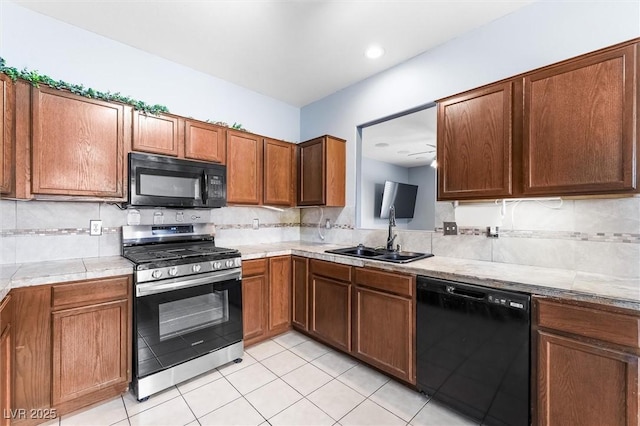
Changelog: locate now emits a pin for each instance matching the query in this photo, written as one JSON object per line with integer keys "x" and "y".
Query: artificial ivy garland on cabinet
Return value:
{"x": 36, "y": 79}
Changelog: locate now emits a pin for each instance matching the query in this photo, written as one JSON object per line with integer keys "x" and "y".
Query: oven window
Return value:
{"x": 169, "y": 186}
{"x": 191, "y": 314}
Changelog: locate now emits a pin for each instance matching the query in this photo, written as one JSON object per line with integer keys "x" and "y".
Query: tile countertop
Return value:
{"x": 59, "y": 271}
{"x": 603, "y": 289}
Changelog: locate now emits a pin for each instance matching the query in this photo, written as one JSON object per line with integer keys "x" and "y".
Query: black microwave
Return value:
{"x": 159, "y": 181}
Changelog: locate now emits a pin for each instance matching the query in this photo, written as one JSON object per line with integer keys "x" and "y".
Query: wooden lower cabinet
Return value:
{"x": 5, "y": 361}
{"x": 383, "y": 334}
{"x": 254, "y": 300}
{"x": 90, "y": 351}
{"x": 72, "y": 346}
{"x": 330, "y": 303}
{"x": 587, "y": 365}
{"x": 300, "y": 292}
{"x": 266, "y": 298}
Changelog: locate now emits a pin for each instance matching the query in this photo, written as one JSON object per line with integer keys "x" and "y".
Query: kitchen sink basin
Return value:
{"x": 380, "y": 254}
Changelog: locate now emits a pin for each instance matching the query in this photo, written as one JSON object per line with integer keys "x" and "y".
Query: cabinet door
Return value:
{"x": 6, "y": 364}
{"x": 157, "y": 134}
{"x": 383, "y": 332}
{"x": 279, "y": 173}
{"x": 279, "y": 294}
{"x": 244, "y": 168}
{"x": 584, "y": 384}
{"x": 78, "y": 145}
{"x": 475, "y": 142}
{"x": 331, "y": 311}
{"x": 311, "y": 173}
{"x": 90, "y": 349}
{"x": 300, "y": 303}
{"x": 254, "y": 308}
{"x": 7, "y": 138}
{"x": 579, "y": 125}
{"x": 204, "y": 142}
{"x": 31, "y": 325}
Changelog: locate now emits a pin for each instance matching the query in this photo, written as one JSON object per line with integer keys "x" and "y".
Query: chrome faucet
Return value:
{"x": 392, "y": 223}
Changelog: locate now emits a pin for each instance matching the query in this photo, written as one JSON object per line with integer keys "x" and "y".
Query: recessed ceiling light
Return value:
{"x": 403, "y": 152}
{"x": 374, "y": 52}
{"x": 381, "y": 144}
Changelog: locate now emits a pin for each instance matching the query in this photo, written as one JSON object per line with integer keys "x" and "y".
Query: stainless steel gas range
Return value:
{"x": 187, "y": 311}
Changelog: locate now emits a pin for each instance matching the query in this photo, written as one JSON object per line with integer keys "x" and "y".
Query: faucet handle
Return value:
{"x": 397, "y": 247}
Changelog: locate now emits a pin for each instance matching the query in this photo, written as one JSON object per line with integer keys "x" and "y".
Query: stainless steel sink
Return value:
{"x": 380, "y": 254}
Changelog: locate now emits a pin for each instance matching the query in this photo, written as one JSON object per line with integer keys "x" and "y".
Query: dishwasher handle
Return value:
{"x": 463, "y": 292}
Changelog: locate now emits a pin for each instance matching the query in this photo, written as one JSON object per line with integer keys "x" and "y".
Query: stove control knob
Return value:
{"x": 196, "y": 268}
{"x": 217, "y": 265}
{"x": 173, "y": 271}
{"x": 229, "y": 263}
{"x": 156, "y": 274}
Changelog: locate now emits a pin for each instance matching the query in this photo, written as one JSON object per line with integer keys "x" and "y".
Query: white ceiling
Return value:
{"x": 407, "y": 141}
{"x": 297, "y": 51}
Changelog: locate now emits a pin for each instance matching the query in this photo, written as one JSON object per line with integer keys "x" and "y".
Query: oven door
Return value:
{"x": 180, "y": 319}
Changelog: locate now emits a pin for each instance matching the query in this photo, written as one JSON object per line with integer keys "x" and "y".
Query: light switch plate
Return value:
{"x": 95, "y": 227}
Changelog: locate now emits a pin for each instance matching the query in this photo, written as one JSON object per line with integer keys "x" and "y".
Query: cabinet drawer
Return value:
{"x": 386, "y": 281}
{"x": 331, "y": 270}
{"x": 254, "y": 267}
{"x": 90, "y": 292}
{"x": 611, "y": 327}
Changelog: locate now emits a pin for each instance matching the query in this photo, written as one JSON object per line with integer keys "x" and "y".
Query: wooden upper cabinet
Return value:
{"x": 475, "y": 143}
{"x": 78, "y": 145}
{"x": 244, "y": 168}
{"x": 322, "y": 172}
{"x": 175, "y": 136}
{"x": 279, "y": 173}
{"x": 203, "y": 141}
{"x": 580, "y": 125}
{"x": 7, "y": 136}
{"x": 157, "y": 134}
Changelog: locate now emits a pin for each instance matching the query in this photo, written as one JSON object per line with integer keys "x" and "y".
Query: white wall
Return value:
{"x": 540, "y": 34}
{"x": 65, "y": 52}
{"x": 424, "y": 215}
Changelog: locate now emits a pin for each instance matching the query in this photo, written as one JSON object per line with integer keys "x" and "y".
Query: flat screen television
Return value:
{"x": 402, "y": 196}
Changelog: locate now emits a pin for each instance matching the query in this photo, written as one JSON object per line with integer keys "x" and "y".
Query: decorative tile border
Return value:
{"x": 610, "y": 237}
{"x": 118, "y": 230}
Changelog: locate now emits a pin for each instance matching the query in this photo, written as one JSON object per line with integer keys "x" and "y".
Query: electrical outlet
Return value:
{"x": 450, "y": 228}
{"x": 493, "y": 231}
{"x": 95, "y": 227}
{"x": 256, "y": 223}
{"x": 327, "y": 224}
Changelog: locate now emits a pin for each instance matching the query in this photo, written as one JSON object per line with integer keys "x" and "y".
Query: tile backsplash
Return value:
{"x": 599, "y": 236}
{"x": 33, "y": 231}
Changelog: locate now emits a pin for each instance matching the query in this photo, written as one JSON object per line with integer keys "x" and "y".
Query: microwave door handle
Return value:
{"x": 205, "y": 188}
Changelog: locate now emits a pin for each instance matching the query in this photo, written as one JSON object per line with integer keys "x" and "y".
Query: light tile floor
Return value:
{"x": 288, "y": 380}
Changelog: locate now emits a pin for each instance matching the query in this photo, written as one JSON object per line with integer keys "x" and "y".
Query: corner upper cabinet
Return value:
{"x": 78, "y": 145}
{"x": 580, "y": 125}
{"x": 279, "y": 173}
{"x": 475, "y": 143}
{"x": 244, "y": 168}
{"x": 7, "y": 137}
{"x": 322, "y": 172}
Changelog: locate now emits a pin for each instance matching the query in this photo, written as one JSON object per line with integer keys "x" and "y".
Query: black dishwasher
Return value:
{"x": 473, "y": 350}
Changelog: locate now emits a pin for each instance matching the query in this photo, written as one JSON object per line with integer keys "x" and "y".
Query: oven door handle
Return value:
{"x": 147, "y": 289}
